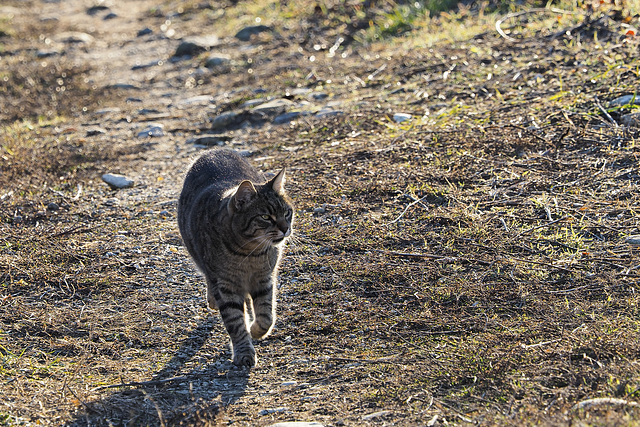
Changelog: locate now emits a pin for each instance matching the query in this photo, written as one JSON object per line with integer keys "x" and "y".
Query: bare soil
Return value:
{"x": 475, "y": 264}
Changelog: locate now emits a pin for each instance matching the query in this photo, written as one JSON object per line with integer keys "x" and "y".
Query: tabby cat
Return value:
{"x": 234, "y": 225}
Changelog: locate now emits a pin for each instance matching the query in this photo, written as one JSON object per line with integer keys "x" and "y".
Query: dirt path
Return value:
{"x": 470, "y": 260}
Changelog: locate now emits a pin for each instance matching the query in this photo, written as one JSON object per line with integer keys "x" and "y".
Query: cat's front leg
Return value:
{"x": 264, "y": 308}
{"x": 232, "y": 311}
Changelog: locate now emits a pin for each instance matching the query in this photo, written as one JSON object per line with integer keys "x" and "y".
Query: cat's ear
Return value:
{"x": 244, "y": 194}
{"x": 277, "y": 182}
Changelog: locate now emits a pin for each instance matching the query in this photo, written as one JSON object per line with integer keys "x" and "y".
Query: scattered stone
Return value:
{"x": 401, "y": 117}
{"x": 144, "y": 66}
{"x": 153, "y": 130}
{"x": 224, "y": 120}
{"x": 112, "y": 201}
{"x": 328, "y": 112}
{"x": 193, "y": 46}
{"x": 52, "y": 207}
{"x": 48, "y": 53}
{"x": 147, "y": 111}
{"x": 94, "y": 10}
{"x": 196, "y": 100}
{"x": 215, "y": 61}
{"x": 96, "y": 131}
{"x": 633, "y": 240}
{"x": 125, "y": 86}
{"x": 319, "y": 210}
{"x": 144, "y": 32}
{"x": 273, "y": 411}
{"x": 108, "y": 110}
{"x": 274, "y": 106}
{"x": 319, "y": 96}
{"x": 625, "y": 100}
{"x": 287, "y": 117}
{"x": 298, "y": 91}
{"x": 110, "y": 15}
{"x": 297, "y": 424}
{"x": 209, "y": 140}
{"x": 254, "y": 102}
{"x": 246, "y": 33}
{"x": 631, "y": 120}
{"x": 117, "y": 181}
{"x": 375, "y": 415}
{"x": 74, "y": 37}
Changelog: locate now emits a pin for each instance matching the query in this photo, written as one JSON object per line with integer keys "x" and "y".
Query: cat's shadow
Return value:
{"x": 172, "y": 396}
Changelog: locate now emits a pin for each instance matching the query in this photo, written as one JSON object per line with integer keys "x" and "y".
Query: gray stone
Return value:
{"x": 145, "y": 66}
{"x": 48, "y": 53}
{"x": 52, "y": 207}
{"x": 125, "y": 86}
{"x": 633, "y": 240}
{"x": 287, "y": 117}
{"x": 110, "y": 15}
{"x": 193, "y": 46}
{"x": 117, "y": 181}
{"x": 254, "y": 102}
{"x": 209, "y": 140}
{"x": 224, "y": 120}
{"x": 74, "y": 37}
{"x": 273, "y": 411}
{"x": 625, "y": 100}
{"x": 319, "y": 96}
{"x": 93, "y": 131}
{"x": 108, "y": 110}
{"x": 401, "y": 117}
{"x": 299, "y": 91}
{"x": 297, "y": 424}
{"x": 631, "y": 120}
{"x": 144, "y": 32}
{"x": 152, "y": 130}
{"x": 246, "y": 33}
{"x": 328, "y": 112}
{"x": 375, "y": 415}
{"x": 215, "y": 61}
{"x": 196, "y": 100}
{"x": 274, "y": 106}
{"x": 94, "y": 10}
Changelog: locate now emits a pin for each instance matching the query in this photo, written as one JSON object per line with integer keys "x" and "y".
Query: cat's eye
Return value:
{"x": 266, "y": 217}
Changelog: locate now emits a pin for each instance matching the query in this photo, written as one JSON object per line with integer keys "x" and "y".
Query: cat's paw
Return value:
{"x": 245, "y": 357}
{"x": 258, "y": 331}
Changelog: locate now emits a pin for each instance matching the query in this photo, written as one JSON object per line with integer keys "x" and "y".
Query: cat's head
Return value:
{"x": 262, "y": 214}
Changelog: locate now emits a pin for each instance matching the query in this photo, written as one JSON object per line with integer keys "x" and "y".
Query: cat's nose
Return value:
{"x": 284, "y": 227}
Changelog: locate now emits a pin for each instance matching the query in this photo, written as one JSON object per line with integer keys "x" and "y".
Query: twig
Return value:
{"x": 77, "y": 196}
{"x": 76, "y": 229}
{"x": 540, "y": 344}
{"x": 605, "y": 112}
{"x": 405, "y": 210}
{"x": 586, "y": 404}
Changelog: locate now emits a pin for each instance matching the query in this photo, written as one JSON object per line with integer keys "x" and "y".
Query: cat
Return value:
{"x": 234, "y": 225}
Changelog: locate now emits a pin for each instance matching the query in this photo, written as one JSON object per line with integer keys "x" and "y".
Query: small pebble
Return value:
{"x": 116, "y": 181}
{"x": 401, "y": 117}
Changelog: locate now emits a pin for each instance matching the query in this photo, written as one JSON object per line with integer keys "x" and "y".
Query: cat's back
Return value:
{"x": 220, "y": 168}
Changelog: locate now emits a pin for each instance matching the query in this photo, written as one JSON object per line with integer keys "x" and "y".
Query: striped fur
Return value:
{"x": 234, "y": 225}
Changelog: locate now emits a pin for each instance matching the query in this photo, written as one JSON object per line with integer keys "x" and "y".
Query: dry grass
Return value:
{"x": 469, "y": 266}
